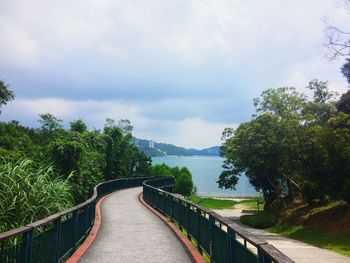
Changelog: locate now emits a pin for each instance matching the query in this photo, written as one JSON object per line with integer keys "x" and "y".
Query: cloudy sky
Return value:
{"x": 180, "y": 70}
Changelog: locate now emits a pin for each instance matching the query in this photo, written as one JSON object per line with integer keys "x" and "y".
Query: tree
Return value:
{"x": 49, "y": 123}
{"x": 6, "y": 95}
{"x": 293, "y": 147}
{"x": 123, "y": 159}
{"x": 321, "y": 108}
{"x": 183, "y": 183}
{"x": 78, "y": 126}
{"x": 125, "y": 126}
{"x": 343, "y": 104}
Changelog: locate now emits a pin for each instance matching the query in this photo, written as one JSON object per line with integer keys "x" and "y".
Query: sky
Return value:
{"x": 180, "y": 70}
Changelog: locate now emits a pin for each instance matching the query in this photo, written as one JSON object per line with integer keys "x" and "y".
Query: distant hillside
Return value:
{"x": 152, "y": 148}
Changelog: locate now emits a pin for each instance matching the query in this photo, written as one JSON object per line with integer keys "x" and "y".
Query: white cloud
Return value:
{"x": 200, "y": 62}
{"x": 301, "y": 73}
{"x": 17, "y": 47}
{"x": 196, "y": 132}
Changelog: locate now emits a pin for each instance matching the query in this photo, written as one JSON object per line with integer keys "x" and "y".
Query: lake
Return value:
{"x": 205, "y": 172}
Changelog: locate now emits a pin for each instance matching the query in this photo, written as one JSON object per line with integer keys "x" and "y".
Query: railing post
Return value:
{"x": 180, "y": 214}
{"x": 198, "y": 230}
{"x": 187, "y": 209}
{"x": 27, "y": 244}
{"x": 211, "y": 224}
{"x": 230, "y": 235}
{"x": 75, "y": 228}
{"x": 171, "y": 198}
{"x": 86, "y": 219}
{"x": 57, "y": 233}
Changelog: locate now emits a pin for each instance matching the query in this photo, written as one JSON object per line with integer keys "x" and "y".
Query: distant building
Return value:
{"x": 151, "y": 144}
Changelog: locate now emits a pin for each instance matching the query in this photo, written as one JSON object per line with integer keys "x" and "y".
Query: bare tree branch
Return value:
{"x": 338, "y": 40}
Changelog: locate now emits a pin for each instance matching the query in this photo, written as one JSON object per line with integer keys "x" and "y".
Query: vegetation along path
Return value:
{"x": 296, "y": 250}
{"x": 131, "y": 233}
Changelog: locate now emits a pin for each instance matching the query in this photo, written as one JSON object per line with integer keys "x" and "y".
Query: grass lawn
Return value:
{"x": 323, "y": 226}
{"x": 212, "y": 203}
{"x": 251, "y": 203}
{"x": 337, "y": 243}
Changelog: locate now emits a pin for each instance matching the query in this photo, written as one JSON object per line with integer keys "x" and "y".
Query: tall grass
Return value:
{"x": 29, "y": 192}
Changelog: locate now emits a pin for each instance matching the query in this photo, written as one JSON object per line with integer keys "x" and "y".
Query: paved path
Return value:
{"x": 131, "y": 233}
{"x": 296, "y": 250}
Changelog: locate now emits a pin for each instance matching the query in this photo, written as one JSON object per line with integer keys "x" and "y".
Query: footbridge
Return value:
{"x": 135, "y": 220}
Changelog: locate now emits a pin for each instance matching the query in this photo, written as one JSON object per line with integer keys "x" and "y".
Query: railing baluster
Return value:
{"x": 262, "y": 258}
{"x": 27, "y": 244}
{"x": 75, "y": 228}
{"x": 198, "y": 230}
{"x": 57, "y": 232}
{"x": 211, "y": 225}
{"x": 230, "y": 235}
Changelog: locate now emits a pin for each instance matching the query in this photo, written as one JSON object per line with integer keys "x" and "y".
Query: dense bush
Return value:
{"x": 183, "y": 177}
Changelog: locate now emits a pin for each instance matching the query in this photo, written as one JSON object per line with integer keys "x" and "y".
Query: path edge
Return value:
{"x": 191, "y": 250}
{"x": 81, "y": 250}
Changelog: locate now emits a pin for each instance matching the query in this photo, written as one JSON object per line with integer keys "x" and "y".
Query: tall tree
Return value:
{"x": 293, "y": 147}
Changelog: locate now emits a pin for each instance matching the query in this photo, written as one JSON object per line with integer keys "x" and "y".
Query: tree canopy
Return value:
{"x": 293, "y": 147}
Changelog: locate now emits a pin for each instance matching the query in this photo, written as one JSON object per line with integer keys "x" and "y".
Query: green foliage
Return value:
{"x": 343, "y": 104}
{"x": 51, "y": 127}
{"x": 29, "y": 192}
{"x": 50, "y": 123}
{"x": 123, "y": 158}
{"x": 65, "y": 154}
{"x": 78, "y": 126}
{"x": 183, "y": 183}
{"x": 79, "y": 159}
{"x": 265, "y": 219}
{"x": 6, "y": 95}
{"x": 183, "y": 177}
{"x": 79, "y": 156}
{"x": 293, "y": 147}
{"x": 164, "y": 170}
{"x": 17, "y": 141}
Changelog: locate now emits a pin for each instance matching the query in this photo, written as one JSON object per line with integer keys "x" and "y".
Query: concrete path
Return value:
{"x": 296, "y": 250}
{"x": 131, "y": 233}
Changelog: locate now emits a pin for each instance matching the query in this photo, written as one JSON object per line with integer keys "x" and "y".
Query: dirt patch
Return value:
{"x": 335, "y": 220}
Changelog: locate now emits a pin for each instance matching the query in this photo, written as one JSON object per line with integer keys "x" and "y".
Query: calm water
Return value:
{"x": 205, "y": 172}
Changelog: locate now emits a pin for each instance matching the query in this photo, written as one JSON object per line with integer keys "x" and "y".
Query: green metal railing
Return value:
{"x": 222, "y": 240}
{"x": 54, "y": 238}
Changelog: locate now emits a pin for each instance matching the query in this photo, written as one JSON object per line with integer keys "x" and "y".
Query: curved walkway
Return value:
{"x": 298, "y": 251}
{"x": 129, "y": 232}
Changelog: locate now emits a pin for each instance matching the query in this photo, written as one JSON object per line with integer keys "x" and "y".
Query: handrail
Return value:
{"x": 214, "y": 235}
{"x": 53, "y": 238}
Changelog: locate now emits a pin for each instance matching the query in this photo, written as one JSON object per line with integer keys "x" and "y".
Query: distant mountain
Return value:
{"x": 152, "y": 148}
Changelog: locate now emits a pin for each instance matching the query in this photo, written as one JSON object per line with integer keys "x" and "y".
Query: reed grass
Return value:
{"x": 29, "y": 192}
